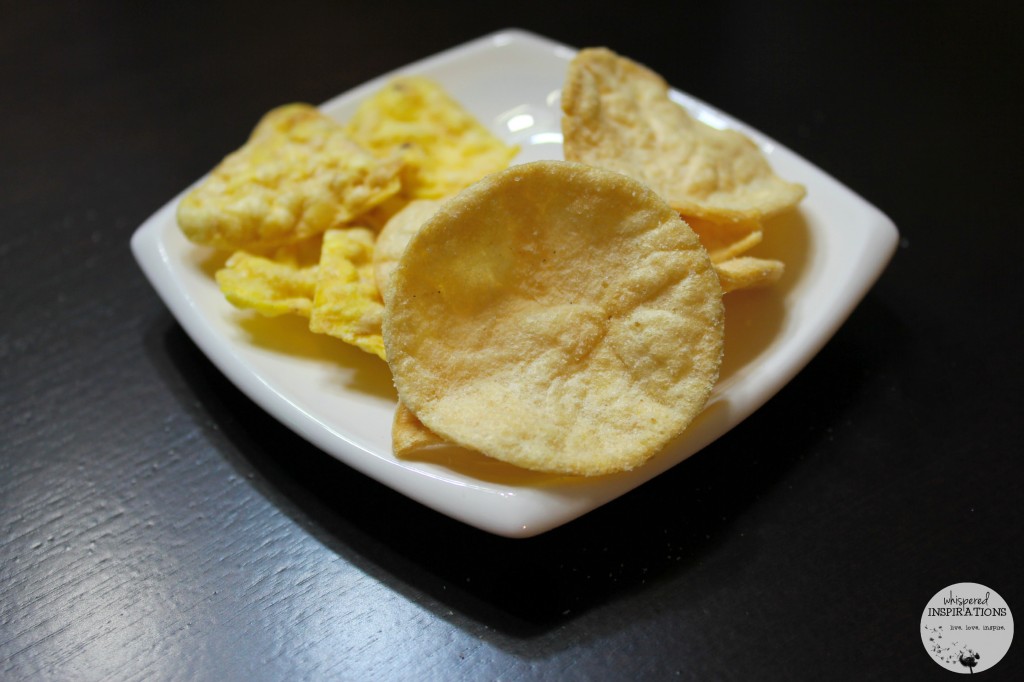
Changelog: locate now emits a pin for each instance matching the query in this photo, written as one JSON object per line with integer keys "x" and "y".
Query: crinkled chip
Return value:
{"x": 347, "y": 304}
{"x": 746, "y": 272}
{"x": 395, "y": 235}
{"x": 272, "y": 285}
{"x": 297, "y": 175}
{"x": 444, "y": 147}
{"x": 556, "y": 316}
{"x": 619, "y": 115}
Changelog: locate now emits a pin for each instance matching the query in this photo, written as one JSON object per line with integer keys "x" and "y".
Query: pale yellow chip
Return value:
{"x": 395, "y": 235}
{"x": 347, "y": 304}
{"x": 619, "y": 115}
{"x": 746, "y": 272}
{"x": 556, "y": 316}
{"x": 443, "y": 146}
{"x": 278, "y": 283}
{"x": 298, "y": 175}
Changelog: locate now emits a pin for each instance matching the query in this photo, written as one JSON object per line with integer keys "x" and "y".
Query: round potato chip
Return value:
{"x": 619, "y": 115}
{"x": 556, "y": 316}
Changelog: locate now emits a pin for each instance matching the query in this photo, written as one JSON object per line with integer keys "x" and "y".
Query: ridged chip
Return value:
{"x": 556, "y": 316}
{"x": 298, "y": 175}
{"x": 619, "y": 115}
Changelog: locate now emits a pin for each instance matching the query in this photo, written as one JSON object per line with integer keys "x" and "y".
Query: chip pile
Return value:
{"x": 561, "y": 316}
{"x": 299, "y": 206}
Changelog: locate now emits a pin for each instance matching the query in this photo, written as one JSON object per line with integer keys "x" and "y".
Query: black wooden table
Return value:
{"x": 156, "y": 524}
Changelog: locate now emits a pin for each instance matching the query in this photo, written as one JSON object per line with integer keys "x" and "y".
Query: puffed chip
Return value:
{"x": 298, "y": 175}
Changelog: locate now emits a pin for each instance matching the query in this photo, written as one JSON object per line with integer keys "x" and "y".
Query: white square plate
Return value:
{"x": 342, "y": 400}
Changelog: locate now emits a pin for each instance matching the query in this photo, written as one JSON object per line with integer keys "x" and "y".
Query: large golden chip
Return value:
{"x": 618, "y": 115}
{"x": 555, "y": 316}
{"x": 443, "y": 146}
{"x": 296, "y": 176}
{"x": 347, "y": 304}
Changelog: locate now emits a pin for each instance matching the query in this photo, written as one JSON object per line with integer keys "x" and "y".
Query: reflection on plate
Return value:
{"x": 342, "y": 399}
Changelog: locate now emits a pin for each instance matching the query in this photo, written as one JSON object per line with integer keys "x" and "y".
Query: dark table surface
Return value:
{"x": 156, "y": 524}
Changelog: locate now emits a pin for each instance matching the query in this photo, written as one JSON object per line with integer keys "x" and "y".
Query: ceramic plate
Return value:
{"x": 342, "y": 400}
